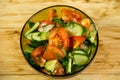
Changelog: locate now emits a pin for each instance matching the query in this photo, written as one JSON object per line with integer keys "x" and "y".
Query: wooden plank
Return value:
{"x": 15, "y": 15}
{"x": 37, "y": 1}
{"x": 105, "y": 13}
{"x": 75, "y": 77}
{"x": 106, "y": 61}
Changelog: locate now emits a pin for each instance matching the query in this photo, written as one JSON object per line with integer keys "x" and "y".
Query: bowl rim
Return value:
{"x": 97, "y": 37}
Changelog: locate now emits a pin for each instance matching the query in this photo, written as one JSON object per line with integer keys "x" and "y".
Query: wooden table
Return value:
{"x": 106, "y": 15}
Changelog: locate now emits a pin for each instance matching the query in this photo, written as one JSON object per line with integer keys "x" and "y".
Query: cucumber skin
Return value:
{"x": 79, "y": 52}
{"x": 46, "y": 28}
{"x": 50, "y": 65}
{"x": 35, "y": 36}
{"x": 74, "y": 29}
{"x": 32, "y": 29}
{"x": 69, "y": 66}
{"x": 40, "y": 36}
{"x": 80, "y": 59}
{"x": 92, "y": 35}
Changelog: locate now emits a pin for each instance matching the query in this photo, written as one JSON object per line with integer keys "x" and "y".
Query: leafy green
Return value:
{"x": 36, "y": 44}
{"x": 76, "y": 68}
{"x": 89, "y": 46}
{"x": 59, "y": 21}
{"x": 31, "y": 24}
{"x": 31, "y": 61}
{"x": 35, "y": 26}
{"x": 64, "y": 61}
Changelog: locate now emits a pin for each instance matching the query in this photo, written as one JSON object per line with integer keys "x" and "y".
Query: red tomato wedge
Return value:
{"x": 59, "y": 70}
{"x": 52, "y": 53}
{"x": 69, "y": 15}
{"x": 75, "y": 41}
{"x": 37, "y": 53}
{"x": 59, "y": 38}
{"x": 65, "y": 38}
{"x": 52, "y": 14}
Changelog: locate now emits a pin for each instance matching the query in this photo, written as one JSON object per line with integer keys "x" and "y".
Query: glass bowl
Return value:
{"x": 41, "y": 15}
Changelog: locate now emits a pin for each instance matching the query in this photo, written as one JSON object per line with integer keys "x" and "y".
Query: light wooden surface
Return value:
{"x": 106, "y": 15}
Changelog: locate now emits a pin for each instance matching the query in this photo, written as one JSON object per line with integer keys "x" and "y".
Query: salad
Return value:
{"x": 60, "y": 45}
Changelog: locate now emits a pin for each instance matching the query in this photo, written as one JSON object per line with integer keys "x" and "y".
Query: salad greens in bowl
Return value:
{"x": 59, "y": 40}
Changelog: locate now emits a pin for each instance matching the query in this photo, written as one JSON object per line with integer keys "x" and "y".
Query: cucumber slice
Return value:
{"x": 29, "y": 36}
{"x": 92, "y": 35}
{"x": 32, "y": 29}
{"x": 44, "y": 35}
{"x": 35, "y": 36}
{"x": 74, "y": 29}
{"x": 39, "y": 36}
{"x": 46, "y": 28}
{"x": 79, "y": 59}
{"x": 50, "y": 65}
{"x": 69, "y": 66}
{"x": 79, "y": 52}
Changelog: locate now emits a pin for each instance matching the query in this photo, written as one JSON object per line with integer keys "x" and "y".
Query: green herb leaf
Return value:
{"x": 31, "y": 24}
{"x": 59, "y": 21}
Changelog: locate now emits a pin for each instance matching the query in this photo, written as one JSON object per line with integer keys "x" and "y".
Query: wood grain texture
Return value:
{"x": 106, "y": 15}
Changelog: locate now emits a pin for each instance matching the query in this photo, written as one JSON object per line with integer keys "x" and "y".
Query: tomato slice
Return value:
{"x": 52, "y": 14}
{"x": 75, "y": 41}
{"x": 69, "y": 15}
{"x": 52, "y": 53}
{"x": 37, "y": 53}
{"x": 59, "y": 38}
{"x": 59, "y": 70}
{"x": 65, "y": 38}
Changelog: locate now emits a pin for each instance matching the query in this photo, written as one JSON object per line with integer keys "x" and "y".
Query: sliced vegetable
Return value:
{"x": 59, "y": 70}
{"x": 86, "y": 23}
{"x": 39, "y": 36}
{"x": 75, "y": 41}
{"x": 29, "y": 36}
{"x": 50, "y": 65}
{"x": 80, "y": 59}
{"x": 35, "y": 36}
{"x": 69, "y": 66}
{"x": 44, "y": 35}
{"x": 59, "y": 38}
{"x": 52, "y": 53}
{"x": 69, "y": 15}
{"x": 36, "y": 54}
{"x": 46, "y": 28}
{"x": 32, "y": 29}
{"x": 44, "y": 25}
{"x": 65, "y": 38}
{"x": 74, "y": 29}
{"x": 78, "y": 51}
{"x": 52, "y": 14}
{"x": 92, "y": 36}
